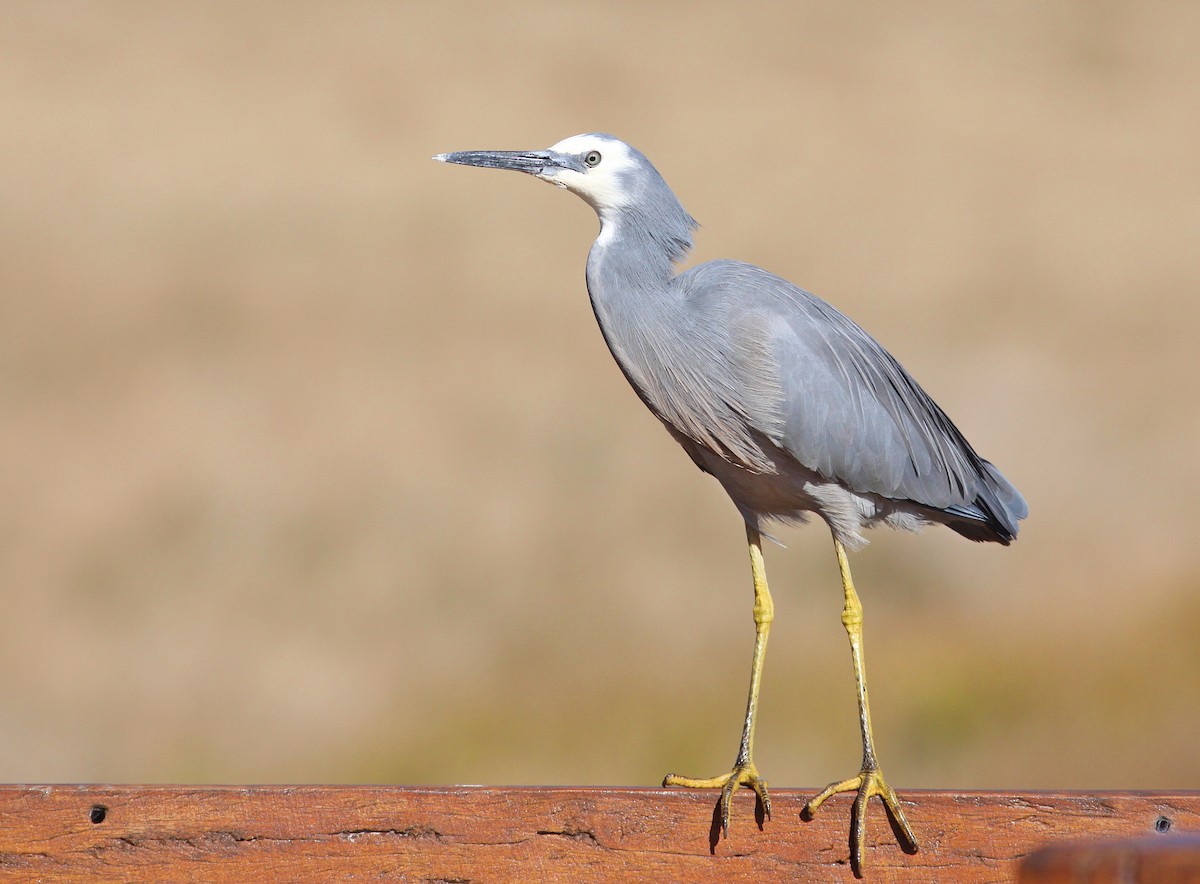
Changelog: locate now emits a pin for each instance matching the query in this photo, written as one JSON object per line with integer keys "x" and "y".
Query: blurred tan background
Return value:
{"x": 314, "y": 466}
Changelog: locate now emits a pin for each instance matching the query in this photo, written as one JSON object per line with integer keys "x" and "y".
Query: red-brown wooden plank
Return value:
{"x": 300, "y": 834}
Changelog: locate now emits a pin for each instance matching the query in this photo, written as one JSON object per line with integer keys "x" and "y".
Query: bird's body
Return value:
{"x": 794, "y": 408}
{"x": 789, "y": 404}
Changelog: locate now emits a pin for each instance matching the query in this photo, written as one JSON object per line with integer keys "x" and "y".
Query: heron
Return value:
{"x": 791, "y": 406}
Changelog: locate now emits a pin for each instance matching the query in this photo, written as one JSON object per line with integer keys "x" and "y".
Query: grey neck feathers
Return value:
{"x": 637, "y": 251}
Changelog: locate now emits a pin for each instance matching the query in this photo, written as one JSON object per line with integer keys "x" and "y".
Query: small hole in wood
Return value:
{"x": 1162, "y": 824}
{"x": 98, "y": 813}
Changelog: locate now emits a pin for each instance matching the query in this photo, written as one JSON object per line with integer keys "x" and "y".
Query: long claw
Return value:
{"x": 743, "y": 774}
{"x": 866, "y": 784}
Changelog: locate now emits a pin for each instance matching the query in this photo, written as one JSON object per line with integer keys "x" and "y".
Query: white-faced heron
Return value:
{"x": 791, "y": 406}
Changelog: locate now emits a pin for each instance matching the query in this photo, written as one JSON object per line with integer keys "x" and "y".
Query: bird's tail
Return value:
{"x": 994, "y": 514}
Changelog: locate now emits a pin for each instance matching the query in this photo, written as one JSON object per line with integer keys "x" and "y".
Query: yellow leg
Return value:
{"x": 870, "y": 779}
{"x": 744, "y": 772}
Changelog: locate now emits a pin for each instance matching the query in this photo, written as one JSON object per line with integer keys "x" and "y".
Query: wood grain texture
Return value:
{"x": 245, "y": 834}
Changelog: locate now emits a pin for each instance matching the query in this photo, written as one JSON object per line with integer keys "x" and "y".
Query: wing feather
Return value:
{"x": 841, "y": 405}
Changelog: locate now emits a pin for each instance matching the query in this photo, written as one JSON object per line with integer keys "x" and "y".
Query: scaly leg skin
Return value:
{"x": 870, "y": 779}
{"x": 744, "y": 772}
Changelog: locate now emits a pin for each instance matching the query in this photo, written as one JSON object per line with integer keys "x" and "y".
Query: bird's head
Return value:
{"x": 615, "y": 179}
{"x": 604, "y": 171}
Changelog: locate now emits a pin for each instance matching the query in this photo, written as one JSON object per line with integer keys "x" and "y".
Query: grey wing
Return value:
{"x": 847, "y": 409}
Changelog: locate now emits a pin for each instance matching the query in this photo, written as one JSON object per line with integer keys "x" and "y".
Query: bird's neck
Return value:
{"x": 631, "y": 285}
{"x": 632, "y": 263}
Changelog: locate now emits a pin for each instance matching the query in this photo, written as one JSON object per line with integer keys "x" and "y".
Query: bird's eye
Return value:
{"x": 591, "y": 158}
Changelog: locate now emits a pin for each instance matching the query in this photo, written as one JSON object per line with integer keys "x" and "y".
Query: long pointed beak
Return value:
{"x": 532, "y": 162}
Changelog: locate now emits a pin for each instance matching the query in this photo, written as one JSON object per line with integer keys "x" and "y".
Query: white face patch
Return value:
{"x": 600, "y": 185}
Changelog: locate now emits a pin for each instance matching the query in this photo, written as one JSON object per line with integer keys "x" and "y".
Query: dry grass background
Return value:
{"x": 314, "y": 466}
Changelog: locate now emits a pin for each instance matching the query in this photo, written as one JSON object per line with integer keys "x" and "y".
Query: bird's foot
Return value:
{"x": 869, "y": 782}
{"x": 744, "y": 773}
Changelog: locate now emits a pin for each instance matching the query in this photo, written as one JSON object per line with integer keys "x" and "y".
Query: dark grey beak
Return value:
{"x": 532, "y": 162}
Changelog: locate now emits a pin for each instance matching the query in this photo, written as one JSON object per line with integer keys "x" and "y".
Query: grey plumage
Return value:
{"x": 787, "y": 402}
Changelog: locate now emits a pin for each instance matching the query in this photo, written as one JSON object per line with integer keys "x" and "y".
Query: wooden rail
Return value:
{"x": 300, "y": 834}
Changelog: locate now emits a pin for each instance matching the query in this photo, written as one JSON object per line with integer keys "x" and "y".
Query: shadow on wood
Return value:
{"x": 481, "y": 834}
